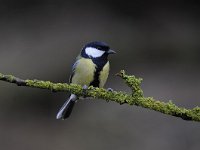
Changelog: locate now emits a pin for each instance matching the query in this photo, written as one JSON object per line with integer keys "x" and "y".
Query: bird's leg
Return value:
{"x": 85, "y": 87}
{"x": 110, "y": 90}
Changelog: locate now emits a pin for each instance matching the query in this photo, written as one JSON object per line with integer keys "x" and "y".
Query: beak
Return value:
{"x": 111, "y": 52}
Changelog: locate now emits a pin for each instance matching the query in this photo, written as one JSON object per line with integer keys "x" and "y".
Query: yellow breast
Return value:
{"x": 104, "y": 74}
{"x": 84, "y": 72}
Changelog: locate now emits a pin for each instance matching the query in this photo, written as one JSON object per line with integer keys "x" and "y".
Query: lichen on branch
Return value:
{"x": 135, "y": 98}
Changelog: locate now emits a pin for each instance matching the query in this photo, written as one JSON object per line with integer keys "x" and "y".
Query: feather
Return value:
{"x": 67, "y": 107}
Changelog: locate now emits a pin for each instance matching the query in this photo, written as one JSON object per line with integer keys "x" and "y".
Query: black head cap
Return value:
{"x": 98, "y": 45}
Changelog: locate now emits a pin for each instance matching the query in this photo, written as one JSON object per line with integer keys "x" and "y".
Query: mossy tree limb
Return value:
{"x": 136, "y": 98}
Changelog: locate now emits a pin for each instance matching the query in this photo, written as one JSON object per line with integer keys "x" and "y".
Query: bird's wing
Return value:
{"x": 73, "y": 70}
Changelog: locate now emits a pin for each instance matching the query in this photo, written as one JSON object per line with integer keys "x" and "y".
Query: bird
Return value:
{"x": 91, "y": 68}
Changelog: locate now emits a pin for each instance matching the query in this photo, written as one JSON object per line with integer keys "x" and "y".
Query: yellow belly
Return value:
{"x": 84, "y": 72}
{"x": 104, "y": 74}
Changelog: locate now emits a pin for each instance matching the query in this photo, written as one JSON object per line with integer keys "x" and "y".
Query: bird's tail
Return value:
{"x": 67, "y": 107}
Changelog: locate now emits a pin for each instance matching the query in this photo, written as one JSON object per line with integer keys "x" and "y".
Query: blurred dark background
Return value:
{"x": 158, "y": 41}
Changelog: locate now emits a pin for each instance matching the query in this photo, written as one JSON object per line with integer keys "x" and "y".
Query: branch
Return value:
{"x": 136, "y": 98}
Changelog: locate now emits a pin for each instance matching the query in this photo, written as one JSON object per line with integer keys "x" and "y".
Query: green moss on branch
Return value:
{"x": 133, "y": 82}
{"x": 136, "y": 98}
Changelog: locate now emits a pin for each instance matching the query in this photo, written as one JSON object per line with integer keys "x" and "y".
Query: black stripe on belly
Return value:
{"x": 99, "y": 66}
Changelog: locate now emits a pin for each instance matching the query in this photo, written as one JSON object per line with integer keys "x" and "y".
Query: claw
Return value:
{"x": 85, "y": 87}
{"x": 110, "y": 90}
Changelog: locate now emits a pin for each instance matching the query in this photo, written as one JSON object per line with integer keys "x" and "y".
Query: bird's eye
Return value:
{"x": 99, "y": 47}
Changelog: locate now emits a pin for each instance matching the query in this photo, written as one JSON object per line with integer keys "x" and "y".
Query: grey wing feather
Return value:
{"x": 73, "y": 71}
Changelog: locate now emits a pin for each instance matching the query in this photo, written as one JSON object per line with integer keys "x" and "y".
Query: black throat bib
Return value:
{"x": 100, "y": 63}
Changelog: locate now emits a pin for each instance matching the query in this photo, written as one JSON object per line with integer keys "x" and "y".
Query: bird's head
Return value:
{"x": 96, "y": 50}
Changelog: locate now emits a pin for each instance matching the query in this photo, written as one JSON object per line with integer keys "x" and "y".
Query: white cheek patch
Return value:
{"x": 90, "y": 51}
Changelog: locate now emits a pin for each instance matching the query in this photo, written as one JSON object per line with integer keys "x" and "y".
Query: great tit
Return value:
{"x": 90, "y": 69}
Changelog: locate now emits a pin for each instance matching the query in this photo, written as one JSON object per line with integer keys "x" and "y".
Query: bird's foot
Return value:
{"x": 85, "y": 87}
{"x": 110, "y": 90}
